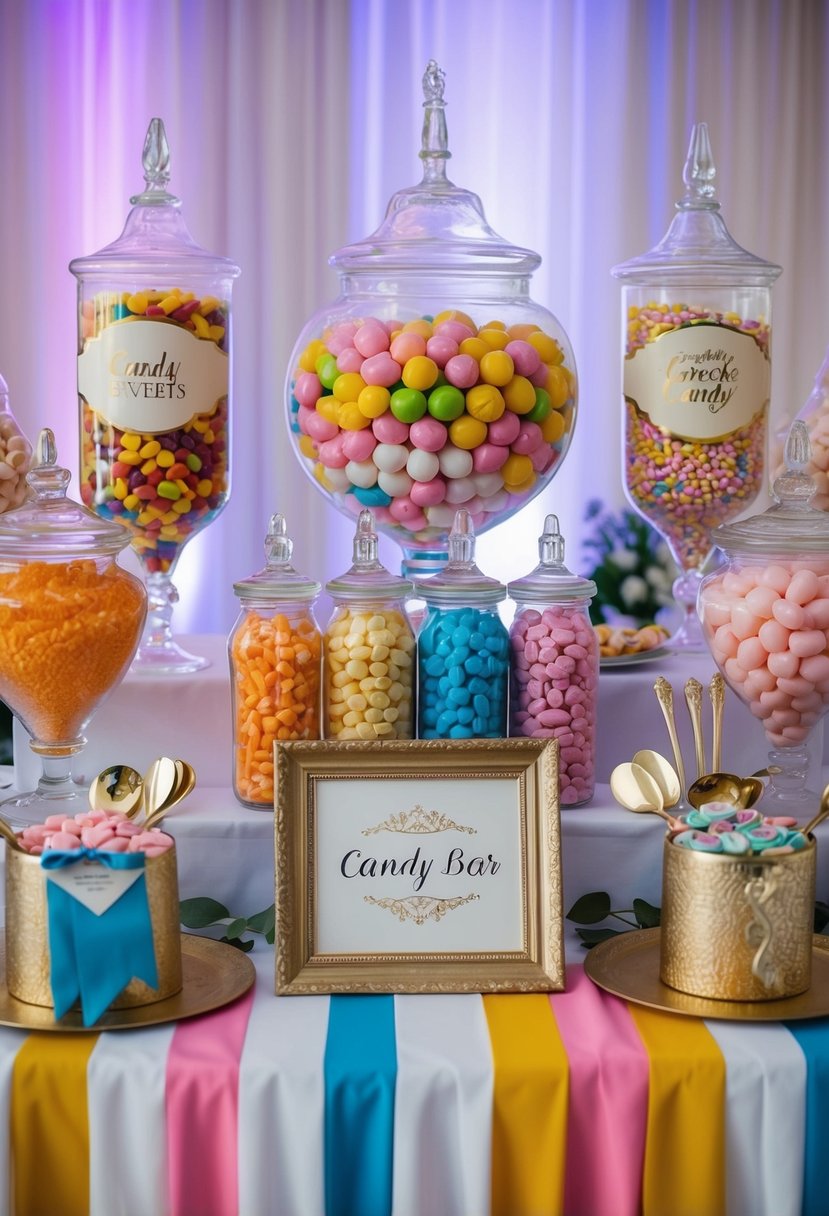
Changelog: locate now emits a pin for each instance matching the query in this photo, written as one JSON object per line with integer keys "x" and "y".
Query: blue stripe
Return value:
{"x": 813, "y": 1038}
{"x": 360, "y": 1077}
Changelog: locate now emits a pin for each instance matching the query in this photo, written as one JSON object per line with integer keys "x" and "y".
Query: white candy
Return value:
{"x": 460, "y": 490}
{"x": 440, "y": 516}
{"x": 422, "y": 466}
{"x": 495, "y": 502}
{"x": 454, "y": 462}
{"x": 338, "y": 480}
{"x": 361, "y": 473}
{"x": 488, "y": 483}
{"x": 395, "y": 484}
{"x": 390, "y": 457}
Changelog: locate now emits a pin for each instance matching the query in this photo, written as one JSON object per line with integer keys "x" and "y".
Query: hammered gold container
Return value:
{"x": 737, "y": 928}
{"x": 27, "y": 944}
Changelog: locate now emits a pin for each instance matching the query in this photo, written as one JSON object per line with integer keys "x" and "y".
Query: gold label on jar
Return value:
{"x": 699, "y": 382}
{"x": 151, "y": 376}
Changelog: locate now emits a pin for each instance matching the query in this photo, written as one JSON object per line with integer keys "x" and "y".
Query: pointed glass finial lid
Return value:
{"x": 277, "y": 580}
{"x": 50, "y": 525}
{"x": 697, "y": 244}
{"x": 435, "y": 223}
{"x": 367, "y": 577}
{"x": 551, "y": 581}
{"x": 155, "y": 236}
{"x": 460, "y": 581}
{"x": 792, "y": 525}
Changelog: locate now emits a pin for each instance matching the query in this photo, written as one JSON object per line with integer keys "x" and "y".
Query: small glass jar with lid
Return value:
{"x": 433, "y": 380}
{"x": 368, "y": 649}
{"x": 70, "y": 621}
{"x": 154, "y": 343}
{"x": 554, "y": 671}
{"x": 696, "y": 379}
{"x": 765, "y": 618}
{"x": 463, "y": 647}
{"x": 275, "y": 656}
{"x": 15, "y": 455}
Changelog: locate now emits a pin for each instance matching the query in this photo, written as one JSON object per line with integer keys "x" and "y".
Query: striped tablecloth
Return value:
{"x": 577, "y": 1104}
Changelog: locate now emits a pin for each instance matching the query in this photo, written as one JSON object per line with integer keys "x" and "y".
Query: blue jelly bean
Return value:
{"x": 120, "y": 311}
{"x": 459, "y": 696}
{"x": 445, "y": 722}
{"x": 465, "y": 715}
{"x": 434, "y": 665}
{"x": 460, "y": 636}
{"x": 457, "y": 676}
{"x": 481, "y": 704}
{"x": 372, "y": 496}
{"x": 460, "y": 732}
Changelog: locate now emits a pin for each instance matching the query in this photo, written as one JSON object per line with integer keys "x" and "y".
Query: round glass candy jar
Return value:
{"x": 433, "y": 380}
{"x": 368, "y": 649}
{"x": 275, "y": 651}
{"x": 463, "y": 647}
{"x": 765, "y": 618}
{"x": 154, "y": 382}
{"x": 696, "y": 379}
{"x": 554, "y": 669}
{"x": 15, "y": 455}
{"x": 70, "y": 620}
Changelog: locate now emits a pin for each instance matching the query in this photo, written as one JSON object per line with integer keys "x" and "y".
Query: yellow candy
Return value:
{"x": 374, "y": 400}
{"x": 312, "y": 352}
{"x": 165, "y": 459}
{"x": 558, "y": 387}
{"x": 522, "y": 486}
{"x": 171, "y": 303}
{"x": 522, "y": 331}
{"x": 519, "y": 395}
{"x": 475, "y": 347}
{"x": 151, "y": 448}
{"x": 307, "y": 447}
{"x": 348, "y": 386}
{"x": 497, "y": 367}
{"x": 516, "y": 470}
{"x": 454, "y": 314}
{"x": 494, "y": 325}
{"x": 485, "y": 402}
{"x": 350, "y": 417}
{"x": 496, "y": 339}
{"x": 131, "y": 442}
{"x": 138, "y": 303}
{"x": 328, "y": 407}
{"x": 319, "y": 474}
{"x": 468, "y": 432}
{"x": 420, "y": 372}
{"x": 546, "y": 346}
{"x": 553, "y": 427}
{"x": 421, "y": 326}
{"x": 200, "y": 325}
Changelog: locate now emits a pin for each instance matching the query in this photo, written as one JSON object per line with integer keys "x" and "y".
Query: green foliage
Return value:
{"x": 632, "y": 566}
{"x": 205, "y": 913}
{"x": 597, "y": 906}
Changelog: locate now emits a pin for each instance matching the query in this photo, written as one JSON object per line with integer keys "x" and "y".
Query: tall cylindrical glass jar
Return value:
{"x": 696, "y": 379}
{"x": 154, "y": 343}
{"x": 15, "y": 455}
{"x": 368, "y": 649}
{"x": 275, "y": 651}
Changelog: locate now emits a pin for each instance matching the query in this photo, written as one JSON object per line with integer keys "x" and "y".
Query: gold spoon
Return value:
{"x": 10, "y": 836}
{"x": 665, "y": 697}
{"x": 657, "y": 767}
{"x": 634, "y": 789}
{"x": 716, "y": 691}
{"x": 117, "y": 788}
{"x": 693, "y": 699}
{"x": 820, "y": 816}
{"x": 742, "y": 792}
{"x": 160, "y": 781}
{"x": 185, "y": 783}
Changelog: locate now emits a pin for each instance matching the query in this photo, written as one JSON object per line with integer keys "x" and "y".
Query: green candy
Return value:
{"x": 542, "y": 406}
{"x": 168, "y": 489}
{"x": 327, "y": 370}
{"x": 408, "y": 404}
{"x": 446, "y": 403}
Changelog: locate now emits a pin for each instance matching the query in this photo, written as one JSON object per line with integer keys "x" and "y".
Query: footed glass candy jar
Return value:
{"x": 154, "y": 345}
{"x": 696, "y": 379}
{"x": 765, "y": 619}
{"x": 433, "y": 380}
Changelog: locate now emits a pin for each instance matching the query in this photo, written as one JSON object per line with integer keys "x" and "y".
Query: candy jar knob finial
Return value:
{"x": 365, "y": 540}
{"x": 699, "y": 171}
{"x": 434, "y": 150}
{"x": 795, "y": 487}
{"x": 551, "y": 543}
{"x": 462, "y": 540}
{"x": 155, "y": 161}
{"x": 278, "y": 545}
{"x": 46, "y": 477}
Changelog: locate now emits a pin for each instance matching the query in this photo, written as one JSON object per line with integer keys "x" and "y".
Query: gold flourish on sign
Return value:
{"x": 420, "y": 908}
{"x": 419, "y": 821}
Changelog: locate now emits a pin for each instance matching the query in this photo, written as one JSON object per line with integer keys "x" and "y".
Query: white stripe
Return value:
{"x": 10, "y": 1043}
{"x": 127, "y": 1122}
{"x": 765, "y": 1118}
{"x": 282, "y": 1102}
{"x": 443, "y": 1107}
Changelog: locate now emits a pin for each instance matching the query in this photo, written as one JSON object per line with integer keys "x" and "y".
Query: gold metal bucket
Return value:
{"x": 737, "y": 928}
{"x": 27, "y": 942}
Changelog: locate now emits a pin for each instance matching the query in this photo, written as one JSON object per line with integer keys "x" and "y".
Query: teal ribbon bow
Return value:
{"x": 94, "y": 957}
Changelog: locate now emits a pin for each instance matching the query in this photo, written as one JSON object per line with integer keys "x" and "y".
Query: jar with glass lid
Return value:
{"x": 433, "y": 380}
{"x": 463, "y": 647}
{"x": 696, "y": 379}
{"x": 15, "y": 455}
{"x": 554, "y": 669}
{"x": 154, "y": 343}
{"x": 368, "y": 649}
{"x": 275, "y": 654}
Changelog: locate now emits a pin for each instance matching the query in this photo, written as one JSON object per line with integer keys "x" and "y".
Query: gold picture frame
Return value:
{"x": 455, "y": 846}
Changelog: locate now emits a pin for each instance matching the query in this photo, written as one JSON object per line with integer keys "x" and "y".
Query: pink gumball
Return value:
{"x": 456, "y": 330}
{"x": 358, "y": 445}
{"x": 540, "y": 376}
{"x": 308, "y": 389}
{"x": 388, "y": 429}
{"x": 504, "y": 430}
{"x": 542, "y": 457}
{"x": 462, "y": 371}
{"x": 407, "y": 346}
{"x": 529, "y": 438}
{"x": 381, "y": 369}
{"x": 441, "y": 348}
{"x": 331, "y": 453}
{"x": 428, "y": 493}
{"x": 349, "y": 360}
{"x": 319, "y": 428}
{"x": 371, "y": 338}
{"x": 525, "y": 357}
{"x": 489, "y": 457}
{"x": 404, "y": 508}
{"x": 429, "y": 434}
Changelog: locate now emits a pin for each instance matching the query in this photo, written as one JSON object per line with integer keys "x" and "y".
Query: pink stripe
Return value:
{"x": 607, "y": 1121}
{"x": 202, "y": 1100}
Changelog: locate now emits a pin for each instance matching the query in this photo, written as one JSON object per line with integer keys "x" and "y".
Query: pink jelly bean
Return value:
{"x": 381, "y": 369}
{"x": 317, "y": 427}
{"x": 331, "y": 453}
{"x": 428, "y": 493}
{"x": 407, "y": 346}
{"x": 751, "y": 654}
{"x": 760, "y": 601}
{"x": 371, "y": 339}
{"x": 350, "y": 360}
{"x": 428, "y": 433}
{"x": 115, "y": 844}
{"x": 337, "y": 343}
{"x": 525, "y": 357}
{"x": 796, "y": 686}
{"x": 308, "y": 389}
{"x": 388, "y": 429}
{"x": 777, "y": 577}
{"x": 456, "y": 330}
{"x": 461, "y": 371}
{"x": 358, "y": 445}
{"x": 818, "y": 613}
{"x": 540, "y": 376}
{"x": 806, "y": 643}
{"x": 724, "y": 643}
{"x": 791, "y": 615}
{"x": 744, "y": 623}
{"x": 404, "y": 508}
{"x": 735, "y": 673}
{"x": 803, "y": 587}
{"x": 92, "y": 838}
{"x": 504, "y": 430}
{"x": 529, "y": 438}
{"x": 441, "y": 348}
{"x": 489, "y": 457}
{"x": 128, "y": 829}
{"x": 774, "y": 636}
{"x": 64, "y": 840}
{"x": 542, "y": 457}
{"x": 815, "y": 668}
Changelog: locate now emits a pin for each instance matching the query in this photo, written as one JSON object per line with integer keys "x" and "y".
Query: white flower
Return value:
{"x": 657, "y": 577}
{"x": 633, "y": 590}
{"x": 623, "y": 558}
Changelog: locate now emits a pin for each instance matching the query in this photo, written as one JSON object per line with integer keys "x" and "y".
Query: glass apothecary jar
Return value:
{"x": 154, "y": 343}
{"x": 554, "y": 668}
{"x": 368, "y": 649}
{"x": 433, "y": 380}
{"x": 70, "y": 621}
{"x": 15, "y": 455}
{"x": 696, "y": 379}
{"x": 463, "y": 647}
{"x": 275, "y": 655}
{"x": 765, "y": 618}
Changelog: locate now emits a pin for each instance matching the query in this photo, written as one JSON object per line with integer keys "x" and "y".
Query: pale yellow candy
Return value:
{"x": 369, "y": 676}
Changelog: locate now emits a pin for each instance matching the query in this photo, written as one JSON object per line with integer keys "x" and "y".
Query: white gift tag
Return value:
{"x": 93, "y": 884}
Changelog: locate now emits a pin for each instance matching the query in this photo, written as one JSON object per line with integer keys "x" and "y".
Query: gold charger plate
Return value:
{"x": 213, "y": 973}
{"x": 609, "y": 661}
{"x": 628, "y": 966}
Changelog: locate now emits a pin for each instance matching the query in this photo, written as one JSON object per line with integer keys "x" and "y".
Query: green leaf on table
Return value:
{"x": 592, "y": 937}
{"x": 590, "y": 908}
{"x": 264, "y": 923}
{"x": 240, "y": 943}
{"x": 647, "y": 916}
{"x": 200, "y": 912}
{"x": 236, "y": 928}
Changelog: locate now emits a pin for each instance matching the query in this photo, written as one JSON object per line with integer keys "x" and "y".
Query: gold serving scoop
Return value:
{"x": 742, "y": 792}
{"x": 663, "y": 773}
{"x": 117, "y": 788}
{"x": 636, "y": 790}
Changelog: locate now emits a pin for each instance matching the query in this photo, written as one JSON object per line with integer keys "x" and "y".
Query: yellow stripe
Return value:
{"x": 684, "y": 1170}
{"x": 50, "y": 1125}
{"x": 529, "y": 1117}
